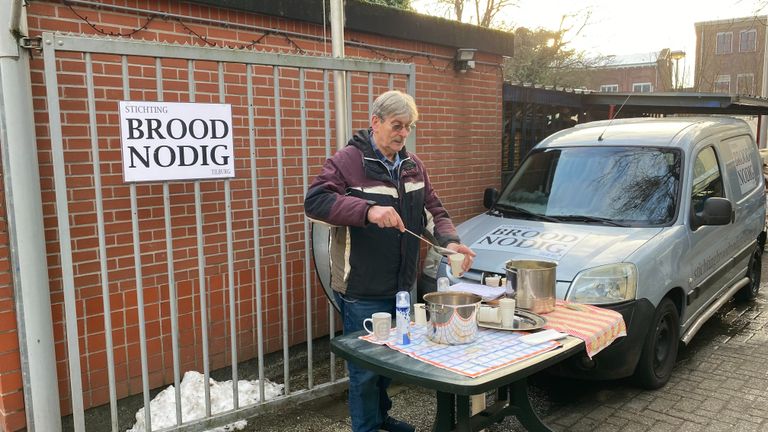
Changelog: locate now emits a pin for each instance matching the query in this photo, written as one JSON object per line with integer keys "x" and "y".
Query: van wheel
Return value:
{"x": 753, "y": 273}
{"x": 660, "y": 347}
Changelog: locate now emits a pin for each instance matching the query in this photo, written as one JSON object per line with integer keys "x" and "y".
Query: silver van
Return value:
{"x": 661, "y": 220}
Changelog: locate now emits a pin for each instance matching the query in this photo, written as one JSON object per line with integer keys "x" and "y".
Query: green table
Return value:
{"x": 454, "y": 390}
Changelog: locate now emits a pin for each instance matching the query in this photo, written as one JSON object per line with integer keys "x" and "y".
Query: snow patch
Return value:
{"x": 163, "y": 406}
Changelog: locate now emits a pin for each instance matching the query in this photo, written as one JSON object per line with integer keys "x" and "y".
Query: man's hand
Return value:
{"x": 469, "y": 254}
{"x": 386, "y": 217}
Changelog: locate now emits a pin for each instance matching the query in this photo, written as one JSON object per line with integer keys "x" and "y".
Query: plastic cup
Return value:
{"x": 507, "y": 311}
{"x": 493, "y": 281}
{"x": 443, "y": 283}
{"x": 456, "y": 261}
{"x": 488, "y": 314}
{"x": 420, "y": 313}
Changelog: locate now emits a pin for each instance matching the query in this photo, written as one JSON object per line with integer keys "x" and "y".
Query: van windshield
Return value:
{"x": 606, "y": 185}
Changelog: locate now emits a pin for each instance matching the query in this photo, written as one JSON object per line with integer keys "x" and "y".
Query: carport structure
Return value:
{"x": 531, "y": 113}
{"x": 110, "y": 289}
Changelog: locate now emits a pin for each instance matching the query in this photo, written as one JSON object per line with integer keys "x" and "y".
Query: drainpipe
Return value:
{"x": 763, "y": 123}
{"x": 339, "y": 77}
{"x": 24, "y": 211}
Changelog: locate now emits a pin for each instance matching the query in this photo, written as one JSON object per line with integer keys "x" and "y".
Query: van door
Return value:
{"x": 744, "y": 184}
{"x": 709, "y": 257}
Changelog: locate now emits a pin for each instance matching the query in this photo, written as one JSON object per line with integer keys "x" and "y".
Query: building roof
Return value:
{"x": 679, "y": 103}
{"x": 760, "y": 20}
{"x": 628, "y": 60}
{"x": 383, "y": 20}
{"x": 637, "y": 104}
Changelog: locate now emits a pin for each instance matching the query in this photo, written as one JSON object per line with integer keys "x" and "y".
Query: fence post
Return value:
{"x": 23, "y": 204}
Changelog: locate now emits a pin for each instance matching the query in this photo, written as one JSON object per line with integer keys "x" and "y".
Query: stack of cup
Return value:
{"x": 507, "y": 311}
{"x": 419, "y": 328}
{"x": 420, "y": 314}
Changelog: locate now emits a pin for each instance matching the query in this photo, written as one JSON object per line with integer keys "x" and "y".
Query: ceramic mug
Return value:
{"x": 381, "y": 322}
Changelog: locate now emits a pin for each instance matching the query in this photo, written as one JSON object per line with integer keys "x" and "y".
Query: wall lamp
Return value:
{"x": 465, "y": 59}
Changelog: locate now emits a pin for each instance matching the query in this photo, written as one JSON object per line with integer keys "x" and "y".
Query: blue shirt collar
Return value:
{"x": 391, "y": 165}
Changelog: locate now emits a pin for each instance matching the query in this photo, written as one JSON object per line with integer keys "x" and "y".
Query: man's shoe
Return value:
{"x": 392, "y": 424}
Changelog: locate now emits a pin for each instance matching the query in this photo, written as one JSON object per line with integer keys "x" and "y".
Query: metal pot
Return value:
{"x": 452, "y": 317}
{"x": 532, "y": 283}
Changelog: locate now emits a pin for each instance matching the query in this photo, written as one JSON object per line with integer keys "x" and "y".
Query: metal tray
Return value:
{"x": 528, "y": 321}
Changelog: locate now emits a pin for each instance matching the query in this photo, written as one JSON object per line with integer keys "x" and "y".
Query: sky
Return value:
{"x": 621, "y": 27}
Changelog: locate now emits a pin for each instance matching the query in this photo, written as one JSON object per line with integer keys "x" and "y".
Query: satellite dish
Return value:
{"x": 321, "y": 235}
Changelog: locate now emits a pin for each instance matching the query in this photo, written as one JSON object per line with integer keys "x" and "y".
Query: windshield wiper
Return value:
{"x": 521, "y": 211}
{"x": 585, "y": 218}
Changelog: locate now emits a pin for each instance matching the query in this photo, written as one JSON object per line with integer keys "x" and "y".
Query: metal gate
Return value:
{"x": 189, "y": 274}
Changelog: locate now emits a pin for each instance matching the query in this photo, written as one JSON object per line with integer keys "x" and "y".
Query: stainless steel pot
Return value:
{"x": 532, "y": 284}
{"x": 452, "y": 317}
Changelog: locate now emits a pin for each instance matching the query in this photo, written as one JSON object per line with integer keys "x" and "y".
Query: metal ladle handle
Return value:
{"x": 440, "y": 249}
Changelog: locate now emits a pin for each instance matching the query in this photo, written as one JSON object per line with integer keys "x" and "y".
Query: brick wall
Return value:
{"x": 733, "y": 62}
{"x": 458, "y": 137}
{"x": 11, "y": 392}
{"x": 625, "y": 77}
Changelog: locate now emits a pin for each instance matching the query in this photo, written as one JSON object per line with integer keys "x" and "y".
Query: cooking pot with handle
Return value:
{"x": 532, "y": 283}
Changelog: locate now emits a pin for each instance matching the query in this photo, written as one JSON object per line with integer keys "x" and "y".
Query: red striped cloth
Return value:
{"x": 597, "y": 327}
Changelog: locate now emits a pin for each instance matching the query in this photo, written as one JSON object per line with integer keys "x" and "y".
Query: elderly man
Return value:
{"x": 371, "y": 191}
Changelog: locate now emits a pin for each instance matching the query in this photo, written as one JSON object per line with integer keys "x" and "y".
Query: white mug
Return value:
{"x": 381, "y": 322}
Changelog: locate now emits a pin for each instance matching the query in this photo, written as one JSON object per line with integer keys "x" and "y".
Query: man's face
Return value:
{"x": 390, "y": 134}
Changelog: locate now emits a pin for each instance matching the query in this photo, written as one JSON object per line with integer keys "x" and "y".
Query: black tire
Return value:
{"x": 753, "y": 273}
{"x": 660, "y": 347}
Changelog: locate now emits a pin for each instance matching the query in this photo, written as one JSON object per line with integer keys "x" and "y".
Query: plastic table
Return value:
{"x": 454, "y": 390}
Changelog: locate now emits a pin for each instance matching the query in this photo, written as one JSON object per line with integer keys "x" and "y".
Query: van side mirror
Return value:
{"x": 489, "y": 197}
{"x": 716, "y": 211}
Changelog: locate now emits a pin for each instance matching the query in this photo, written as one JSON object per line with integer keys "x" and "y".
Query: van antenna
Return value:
{"x": 600, "y": 138}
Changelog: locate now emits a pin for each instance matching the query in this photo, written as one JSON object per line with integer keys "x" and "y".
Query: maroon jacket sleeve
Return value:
{"x": 439, "y": 222}
{"x": 327, "y": 198}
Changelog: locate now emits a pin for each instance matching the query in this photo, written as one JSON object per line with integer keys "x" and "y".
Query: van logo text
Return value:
{"x": 525, "y": 240}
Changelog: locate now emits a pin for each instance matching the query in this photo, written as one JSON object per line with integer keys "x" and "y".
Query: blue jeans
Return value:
{"x": 368, "y": 399}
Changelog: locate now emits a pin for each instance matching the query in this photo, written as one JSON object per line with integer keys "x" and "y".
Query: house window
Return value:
{"x": 642, "y": 87}
{"x": 722, "y": 84}
{"x": 724, "y": 43}
{"x": 747, "y": 40}
{"x": 609, "y": 88}
{"x": 745, "y": 84}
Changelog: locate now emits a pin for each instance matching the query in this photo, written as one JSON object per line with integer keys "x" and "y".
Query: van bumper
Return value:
{"x": 620, "y": 358}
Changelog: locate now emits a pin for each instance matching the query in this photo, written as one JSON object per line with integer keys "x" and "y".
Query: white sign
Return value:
{"x": 745, "y": 168}
{"x": 526, "y": 240}
{"x": 176, "y": 141}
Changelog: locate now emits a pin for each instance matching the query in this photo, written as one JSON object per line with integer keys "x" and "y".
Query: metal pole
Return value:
{"x": 24, "y": 209}
{"x": 339, "y": 77}
{"x": 761, "y": 133}
{"x": 677, "y": 71}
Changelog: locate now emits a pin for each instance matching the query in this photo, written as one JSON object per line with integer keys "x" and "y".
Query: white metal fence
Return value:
{"x": 193, "y": 261}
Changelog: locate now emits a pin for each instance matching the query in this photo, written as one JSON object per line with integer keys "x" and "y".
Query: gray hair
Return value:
{"x": 395, "y": 103}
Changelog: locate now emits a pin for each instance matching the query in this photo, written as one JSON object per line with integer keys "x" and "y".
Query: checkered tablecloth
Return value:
{"x": 597, "y": 327}
{"x": 493, "y": 349}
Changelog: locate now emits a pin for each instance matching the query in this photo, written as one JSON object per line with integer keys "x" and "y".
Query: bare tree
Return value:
{"x": 544, "y": 56}
{"x": 485, "y": 11}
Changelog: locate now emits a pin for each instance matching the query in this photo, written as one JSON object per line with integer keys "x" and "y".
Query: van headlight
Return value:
{"x": 605, "y": 284}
